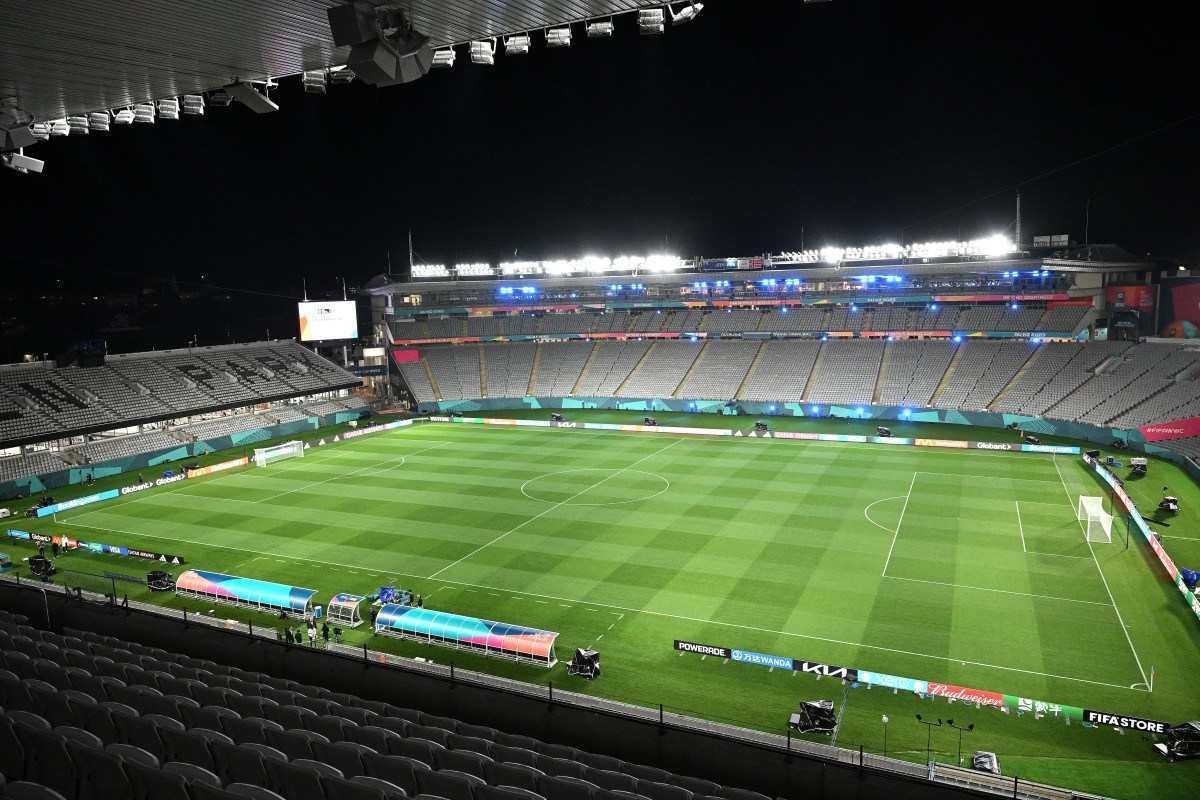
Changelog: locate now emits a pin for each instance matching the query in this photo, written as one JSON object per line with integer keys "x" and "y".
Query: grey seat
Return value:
{"x": 72, "y": 734}
{"x": 249, "y": 729}
{"x": 132, "y": 753}
{"x": 519, "y": 776}
{"x": 249, "y": 706}
{"x": 295, "y": 743}
{"x": 612, "y": 780}
{"x": 201, "y": 791}
{"x": 449, "y": 784}
{"x": 47, "y": 760}
{"x": 331, "y": 727}
{"x": 343, "y": 789}
{"x": 476, "y": 764}
{"x": 100, "y": 774}
{"x": 567, "y": 767}
{"x": 320, "y": 706}
{"x": 381, "y": 740}
{"x": 657, "y": 790}
{"x": 421, "y": 749}
{"x": 12, "y": 755}
{"x": 290, "y": 716}
{"x": 445, "y": 723}
{"x": 24, "y": 790}
{"x": 236, "y": 763}
{"x": 506, "y": 793}
{"x": 29, "y": 719}
{"x": 395, "y": 724}
{"x": 514, "y": 755}
{"x": 556, "y": 750}
{"x": 347, "y": 757}
{"x": 94, "y": 717}
{"x": 152, "y": 783}
{"x": 213, "y": 695}
{"x": 697, "y": 786}
{"x": 556, "y": 787}
{"x": 192, "y": 773}
{"x": 48, "y": 702}
{"x": 387, "y": 789}
{"x": 734, "y": 793}
{"x": 266, "y": 751}
{"x": 139, "y": 732}
{"x": 402, "y": 771}
{"x": 210, "y": 717}
{"x": 253, "y": 792}
{"x": 191, "y": 746}
{"x": 478, "y": 731}
{"x": 300, "y": 779}
{"x": 458, "y": 741}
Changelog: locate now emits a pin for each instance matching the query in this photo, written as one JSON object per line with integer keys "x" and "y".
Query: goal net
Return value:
{"x": 1099, "y": 522}
{"x": 269, "y": 455}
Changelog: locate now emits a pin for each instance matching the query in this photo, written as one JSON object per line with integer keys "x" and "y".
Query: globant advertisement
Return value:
{"x": 327, "y": 321}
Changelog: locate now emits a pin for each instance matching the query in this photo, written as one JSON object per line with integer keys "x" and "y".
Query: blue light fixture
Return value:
{"x": 957, "y": 339}
{"x": 906, "y": 412}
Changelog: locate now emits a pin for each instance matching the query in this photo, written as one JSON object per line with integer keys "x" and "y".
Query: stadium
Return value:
{"x": 893, "y": 519}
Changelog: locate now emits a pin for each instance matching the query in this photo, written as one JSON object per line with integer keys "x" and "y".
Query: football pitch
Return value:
{"x": 965, "y": 567}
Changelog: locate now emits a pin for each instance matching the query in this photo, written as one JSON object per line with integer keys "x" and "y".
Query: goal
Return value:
{"x": 1099, "y": 521}
{"x": 269, "y": 455}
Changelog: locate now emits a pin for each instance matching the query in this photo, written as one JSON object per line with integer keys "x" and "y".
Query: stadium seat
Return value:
{"x": 520, "y": 776}
{"x": 466, "y": 761}
{"x": 347, "y": 757}
{"x": 514, "y": 755}
{"x": 506, "y": 793}
{"x": 130, "y": 753}
{"x": 657, "y": 790}
{"x": 568, "y": 767}
{"x": 249, "y": 729}
{"x": 612, "y": 780}
{"x": 72, "y": 734}
{"x": 252, "y": 792}
{"x": 152, "y": 783}
{"x": 211, "y": 717}
{"x": 47, "y": 760}
{"x": 331, "y": 727}
{"x": 25, "y": 790}
{"x": 192, "y": 773}
{"x": 381, "y": 740}
{"x": 300, "y": 779}
{"x": 237, "y": 763}
{"x": 421, "y": 749}
{"x": 733, "y": 793}
{"x": 697, "y": 786}
{"x": 295, "y": 743}
{"x": 567, "y": 788}
{"x": 458, "y": 741}
{"x": 449, "y": 784}
{"x": 101, "y": 774}
{"x": 402, "y": 771}
{"x": 387, "y": 790}
{"x": 12, "y": 754}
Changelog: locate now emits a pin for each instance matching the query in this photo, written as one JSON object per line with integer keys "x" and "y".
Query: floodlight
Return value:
{"x": 220, "y": 99}
{"x": 193, "y": 105}
{"x": 601, "y": 29}
{"x": 99, "y": 121}
{"x": 123, "y": 117}
{"x": 59, "y": 127}
{"x": 14, "y": 127}
{"x": 168, "y": 109}
{"x": 518, "y": 44}
{"x": 253, "y": 99}
{"x": 686, "y": 14}
{"x": 651, "y": 21}
{"x": 313, "y": 81}
{"x": 444, "y": 58}
{"x": 78, "y": 125}
{"x": 483, "y": 52}
{"x": 22, "y": 163}
{"x": 340, "y": 76}
{"x": 559, "y": 37}
{"x": 40, "y": 130}
{"x": 144, "y": 113}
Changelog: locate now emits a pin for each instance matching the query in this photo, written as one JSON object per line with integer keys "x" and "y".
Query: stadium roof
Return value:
{"x": 61, "y": 57}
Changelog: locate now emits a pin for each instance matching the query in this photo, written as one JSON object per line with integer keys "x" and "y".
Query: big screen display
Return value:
{"x": 325, "y": 321}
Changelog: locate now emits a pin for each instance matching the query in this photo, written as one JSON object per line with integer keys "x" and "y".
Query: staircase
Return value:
{"x": 482, "y": 372}
{"x": 433, "y": 384}
{"x": 958, "y": 354}
{"x": 586, "y": 366}
{"x": 695, "y": 365}
{"x": 812, "y": 376}
{"x": 887, "y": 357}
{"x": 537, "y": 362}
{"x": 758, "y": 356}
{"x": 1016, "y": 378}
{"x": 633, "y": 371}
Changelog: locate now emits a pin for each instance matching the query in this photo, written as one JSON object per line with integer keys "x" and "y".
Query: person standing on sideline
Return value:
{"x": 325, "y": 632}
{"x": 312, "y": 635}
{"x": 287, "y": 632}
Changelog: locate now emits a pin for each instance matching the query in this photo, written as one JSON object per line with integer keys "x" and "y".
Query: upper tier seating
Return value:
{"x": 40, "y": 402}
{"x": 97, "y": 718}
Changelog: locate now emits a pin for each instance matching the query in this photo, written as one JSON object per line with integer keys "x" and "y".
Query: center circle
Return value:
{"x": 605, "y": 487}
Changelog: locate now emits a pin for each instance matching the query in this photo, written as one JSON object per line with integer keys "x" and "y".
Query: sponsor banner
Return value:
{"x": 369, "y": 371}
{"x": 702, "y": 649}
{"x": 1139, "y": 297}
{"x": 1061, "y": 449}
{"x": 965, "y": 694}
{"x": 16, "y": 534}
{"x": 1121, "y": 721}
{"x": 999, "y": 298}
{"x": 77, "y": 502}
{"x": 762, "y": 659}
{"x": 826, "y": 670}
{"x": 1175, "y": 429}
{"x": 162, "y": 558}
{"x": 893, "y": 682}
{"x": 1041, "y": 709}
{"x": 200, "y": 472}
{"x": 940, "y": 443}
{"x": 994, "y": 446}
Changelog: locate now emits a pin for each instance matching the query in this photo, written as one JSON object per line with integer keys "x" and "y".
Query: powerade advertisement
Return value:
{"x": 980, "y": 698}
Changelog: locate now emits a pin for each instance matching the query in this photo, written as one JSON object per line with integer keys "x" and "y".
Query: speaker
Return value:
{"x": 352, "y": 24}
{"x": 374, "y": 63}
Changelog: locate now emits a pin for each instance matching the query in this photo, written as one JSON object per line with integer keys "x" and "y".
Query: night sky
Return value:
{"x": 856, "y": 121}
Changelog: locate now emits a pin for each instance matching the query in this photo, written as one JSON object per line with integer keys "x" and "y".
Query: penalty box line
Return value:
{"x": 626, "y": 609}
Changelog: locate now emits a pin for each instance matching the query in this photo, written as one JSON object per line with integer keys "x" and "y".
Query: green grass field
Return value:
{"x": 964, "y": 567}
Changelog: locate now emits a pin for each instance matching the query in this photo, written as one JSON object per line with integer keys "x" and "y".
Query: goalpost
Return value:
{"x": 1099, "y": 521}
{"x": 269, "y": 455}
